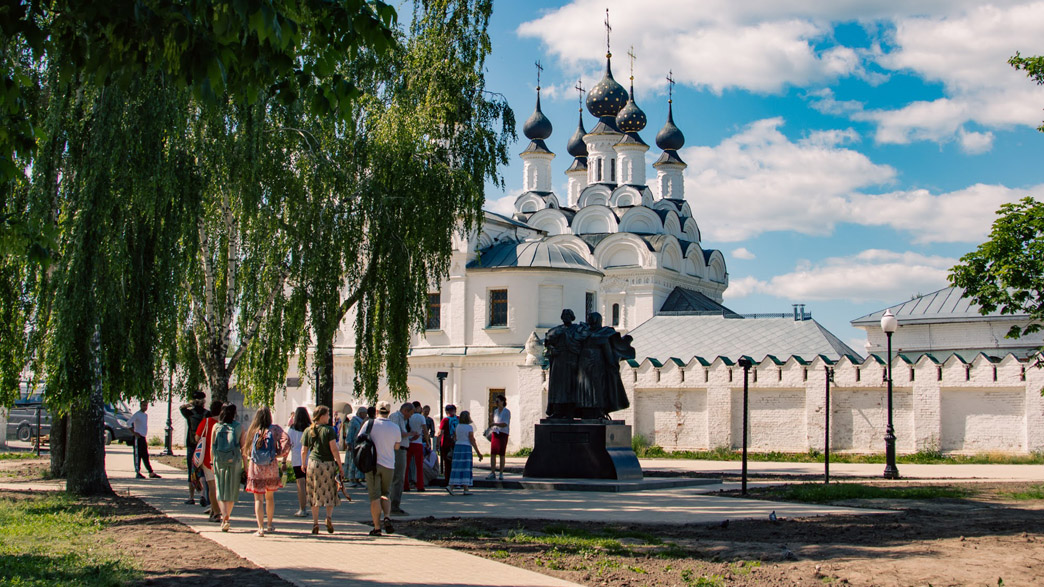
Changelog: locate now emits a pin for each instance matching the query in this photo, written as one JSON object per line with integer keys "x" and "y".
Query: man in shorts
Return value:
{"x": 386, "y": 436}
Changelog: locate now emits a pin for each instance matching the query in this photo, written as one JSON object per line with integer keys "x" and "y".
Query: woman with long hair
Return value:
{"x": 323, "y": 471}
{"x": 226, "y": 448}
{"x": 353, "y": 474}
{"x": 299, "y": 422}
{"x": 268, "y": 443}
{"x": 461, "y": 468}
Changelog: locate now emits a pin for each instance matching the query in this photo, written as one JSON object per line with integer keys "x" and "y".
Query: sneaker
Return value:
{"x": 190, "y": 502}
{"x": 491, "y": 476}
{"x": 375, "y": 532}
{"x": 300, "y": 514}
{"x": 501, "y": 477}
{"x": 139, "y": 476}
{"x": 154, "y": 475}
{"x": 206, "y": 510}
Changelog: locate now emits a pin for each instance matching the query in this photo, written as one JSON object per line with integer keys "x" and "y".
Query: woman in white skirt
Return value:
{"x": 460, "y": 474}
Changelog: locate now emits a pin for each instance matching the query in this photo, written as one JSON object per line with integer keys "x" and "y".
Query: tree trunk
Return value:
{"x": 85, "y": 451}
{"x": 325, "y": 361}
{"x": 219, "y": 385}
{"x": 59, "y": 442}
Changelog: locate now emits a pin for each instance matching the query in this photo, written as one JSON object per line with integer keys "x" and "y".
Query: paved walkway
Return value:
{"x": 350, "y": 555}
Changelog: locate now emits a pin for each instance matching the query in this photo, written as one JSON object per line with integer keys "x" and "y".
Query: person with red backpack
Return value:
{"x": 226, "y": 452}
{"x": 268, "y": 443}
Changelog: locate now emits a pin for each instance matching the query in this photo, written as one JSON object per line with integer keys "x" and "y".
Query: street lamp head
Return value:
{"x": 745, "y": 362}
{"x": 888, "y": 322}
{"x": 441, "y": 375}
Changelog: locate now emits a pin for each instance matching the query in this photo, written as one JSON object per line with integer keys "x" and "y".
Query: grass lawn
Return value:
{"x": 17, "y": 456}
{"x": 51, "y": 539}
{"x": 823, "y": 493}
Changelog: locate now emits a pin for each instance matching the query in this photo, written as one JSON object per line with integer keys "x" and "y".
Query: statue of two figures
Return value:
{"x": 584, "y": 368}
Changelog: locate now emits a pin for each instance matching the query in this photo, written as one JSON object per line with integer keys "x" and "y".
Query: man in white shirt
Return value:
{"x": 140, "y": 424}
{"x": 401, "y": 417}
{"x": 386, "y": 437}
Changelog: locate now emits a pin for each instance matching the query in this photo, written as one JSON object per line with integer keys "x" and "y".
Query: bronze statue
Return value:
{"x": 584, "y": 368}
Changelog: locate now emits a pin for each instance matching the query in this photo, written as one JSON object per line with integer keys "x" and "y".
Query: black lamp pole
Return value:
{"x": 168, "y": 448}
{"x": 441, "y": 375}
{"x": 826, "y": 434}
{"x": 745, "y": 363}
{"x": 889, "y": 324}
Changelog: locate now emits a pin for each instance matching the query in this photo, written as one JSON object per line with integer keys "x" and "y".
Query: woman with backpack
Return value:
{"x": 226, "y": 451}
{"x": 268, "y": 443}
{"x": 323, "y": 471}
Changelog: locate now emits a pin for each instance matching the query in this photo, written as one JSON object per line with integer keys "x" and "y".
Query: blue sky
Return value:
{"x": 841, "y": 154}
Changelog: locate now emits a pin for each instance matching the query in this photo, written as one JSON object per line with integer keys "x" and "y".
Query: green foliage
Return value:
{"x": 1034, "y": 68}
{"x": 525, "y": 451}
{"x": 638, "y": 444}
{"x": 51, "y": 539}
{"x": 570, "y": 542}
{"x": 1005, "y": 272}
{"x": 824, "y": 493}
{"x": 16, "y": 456}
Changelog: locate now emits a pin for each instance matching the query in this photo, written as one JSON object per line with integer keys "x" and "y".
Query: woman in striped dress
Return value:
{"x": 460, "y": 473}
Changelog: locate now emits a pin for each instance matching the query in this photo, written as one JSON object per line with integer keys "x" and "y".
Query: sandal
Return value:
{"x": 375, "y": 532}
{"x": 329, "y": 525}
{"x": 260, "y": 533}
{"x": 315, "y": 529}
{"x": 226, "y": 526}
{"x": 388, "y": 526}
{"x": 449, "y": 490}
{"x": 270, "y": 529}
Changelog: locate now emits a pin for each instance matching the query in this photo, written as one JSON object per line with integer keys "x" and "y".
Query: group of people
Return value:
{"x": 406, "y": 443}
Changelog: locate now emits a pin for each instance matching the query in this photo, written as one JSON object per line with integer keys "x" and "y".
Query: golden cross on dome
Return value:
{"x": 608, "y": 29}
{"x": 540, "y": 68}
{"x": 631, "y": 54}
{"x": 579, "y": 87}
{"x": 670, "y": 86}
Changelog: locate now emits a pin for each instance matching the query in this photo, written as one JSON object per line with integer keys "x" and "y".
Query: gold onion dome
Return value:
{"x": 608, "y": 97}
{"x": 537, "y": 126}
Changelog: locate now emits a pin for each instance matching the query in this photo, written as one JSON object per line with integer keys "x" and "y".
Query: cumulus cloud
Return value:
{"x": 743, "y": 253}
{"x": 505, "y": 205}
{"x": 765, "y": 46}
{"x": 810, "y": 185}
{"x": 872, "y": 275}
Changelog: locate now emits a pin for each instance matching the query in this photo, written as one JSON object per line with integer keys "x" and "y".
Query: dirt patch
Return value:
{"x": 166, "y": 551}
{"x": 973, "y": 541}
{"x": 25, "y": 470}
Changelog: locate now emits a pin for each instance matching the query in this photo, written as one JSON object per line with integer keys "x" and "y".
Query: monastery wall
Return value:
{"x": 949, "y": 336}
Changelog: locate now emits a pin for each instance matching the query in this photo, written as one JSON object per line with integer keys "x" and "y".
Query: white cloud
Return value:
{"x": 505, "y": 205}
{"x": 824, "y": 101}
{"x": 743, "y": 253}
{"x": 765, "y": 46}
{"x": 810, "y": 185}
{"x": 872, "y": 275}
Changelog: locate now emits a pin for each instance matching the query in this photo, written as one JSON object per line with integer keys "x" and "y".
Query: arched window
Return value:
{"x": 616, "y": 314}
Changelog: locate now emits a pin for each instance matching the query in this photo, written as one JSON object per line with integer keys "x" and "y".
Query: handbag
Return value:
{"x": 199, "y": 452}
{"x": 488, "y": 433}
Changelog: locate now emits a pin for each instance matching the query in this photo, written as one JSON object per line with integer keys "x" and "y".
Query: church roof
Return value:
{"x": 688, "y": 300}
{"x": 665, "y": 336}
{"x": 946, "y": 305}
{"x": 538, "y": 254}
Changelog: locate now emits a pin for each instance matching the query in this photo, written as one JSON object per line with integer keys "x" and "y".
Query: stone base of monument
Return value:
{"x": 582, "y": 449}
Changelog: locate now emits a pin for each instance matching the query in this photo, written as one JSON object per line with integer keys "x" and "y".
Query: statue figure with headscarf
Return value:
{"x": 562, "y": 348}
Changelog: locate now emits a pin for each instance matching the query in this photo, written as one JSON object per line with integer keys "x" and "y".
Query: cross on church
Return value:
{"x": 579, "y": 87}
{"x": 608, "y": 29}
{"x": 670, "y": 86}
{"x": 631, "y": 54}
{"x": 540, "y": 68}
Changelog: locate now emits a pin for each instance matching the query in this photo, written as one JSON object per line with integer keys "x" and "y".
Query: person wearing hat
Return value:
{"x": 194, "y": 413}
{"x": 387, "y": 438}
{"x": 448, "y": 439}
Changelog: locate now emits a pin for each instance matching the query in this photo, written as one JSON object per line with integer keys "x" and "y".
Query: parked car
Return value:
{"x": 22, "y": 418}
{"x": 117, "y": 426}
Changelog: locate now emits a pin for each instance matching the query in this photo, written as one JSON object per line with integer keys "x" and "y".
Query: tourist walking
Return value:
{"x": 204, "y": 431}
{"x": 229, "y": 461}
{"x": 415, "y": 452}
{"x": 194, "y": 412}
{"x": 447, "y": 440}
{"x": 401, "y": 418}
{"x": 140, "y": 426}
{"x": 386, "y": 437}
{"x": 299, "y": 422}
{"x": 353, "y": 474}
{"x": 268, "y": 443}
{"x": 498, "y": 441}
{"x": 461, "y": 474}
{"x": 323, "y": 466}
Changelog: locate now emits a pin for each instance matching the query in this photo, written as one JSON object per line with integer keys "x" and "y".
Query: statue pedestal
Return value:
{"x": 582, "y": 449}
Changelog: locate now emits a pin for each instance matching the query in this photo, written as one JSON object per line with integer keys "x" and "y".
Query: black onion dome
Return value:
{"x": 576, "y": 146}
{"x": 537, "y": 126}
{"x": 631, "y": 118}
{"x": 670, "y": 137}
{"x": 607, "y": 97}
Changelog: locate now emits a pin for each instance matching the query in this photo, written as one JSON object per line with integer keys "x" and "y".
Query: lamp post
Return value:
{"x": 168, "y": 444}
{"x": 826, "y": 433}
{"x": 441, "y": 375}
{"x": 889, "y": 325}
{"x": 746, "y": 364}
